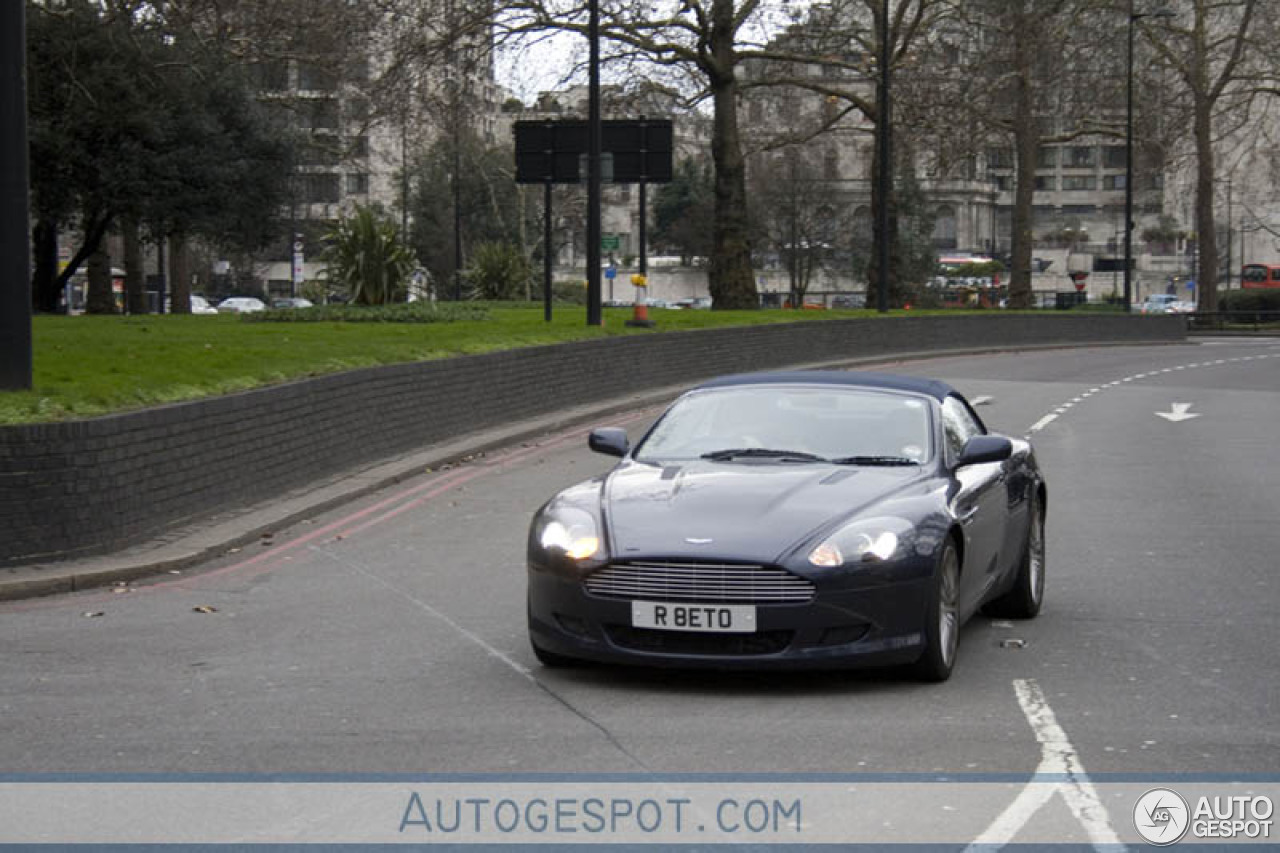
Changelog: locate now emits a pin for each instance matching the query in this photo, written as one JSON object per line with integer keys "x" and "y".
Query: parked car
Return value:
{"x": 814, "y": 519}
{"x": 699, "y": 303}
{"x": 241, "y": 305}
{"x": 291, "y": 302}
{"x": 200, "y": 305}
{"x": 1158, "y": 303}
{"x": 1182, "y": 307}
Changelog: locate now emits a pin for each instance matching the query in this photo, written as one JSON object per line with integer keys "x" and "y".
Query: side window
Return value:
{"x": 958, "y": 426}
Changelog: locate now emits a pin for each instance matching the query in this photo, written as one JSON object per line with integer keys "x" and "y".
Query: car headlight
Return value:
{"x": 871, "y": 540}
{"x": 566, "y": 532}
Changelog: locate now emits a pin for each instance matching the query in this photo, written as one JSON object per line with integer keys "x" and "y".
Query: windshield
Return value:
{"x": 792, "y": 424}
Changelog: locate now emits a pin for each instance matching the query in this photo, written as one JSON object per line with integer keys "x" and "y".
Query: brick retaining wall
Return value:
{"x": 85, "y": 487}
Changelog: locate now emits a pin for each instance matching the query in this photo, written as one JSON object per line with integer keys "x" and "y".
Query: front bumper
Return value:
{"x": 851, "y": 621}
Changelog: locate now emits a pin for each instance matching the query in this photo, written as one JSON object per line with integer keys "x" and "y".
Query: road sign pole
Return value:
{"x": 15, "y": 252}
{"x": 546, "y": 251}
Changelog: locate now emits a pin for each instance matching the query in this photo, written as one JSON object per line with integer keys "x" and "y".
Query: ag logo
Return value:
{"x": 1161, "y": 816}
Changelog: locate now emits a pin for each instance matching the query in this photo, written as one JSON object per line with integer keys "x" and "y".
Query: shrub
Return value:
{"x": 410, "y": 312}
{"x": 1252, "y": 300}
{"x": 498, "y": 271}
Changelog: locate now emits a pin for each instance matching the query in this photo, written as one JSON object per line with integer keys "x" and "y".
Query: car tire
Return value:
{"x": 551, "y": 660}
{"x": 942, "y": 619}
{"x": 1024, "y": 599}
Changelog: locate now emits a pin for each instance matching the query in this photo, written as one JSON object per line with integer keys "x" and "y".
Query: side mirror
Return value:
{"x": 611, "y": 441}
{"x": 985, "y": 448}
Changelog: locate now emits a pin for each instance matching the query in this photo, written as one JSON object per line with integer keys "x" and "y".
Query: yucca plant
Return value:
{"x": 366, "y": 257}
{"x": 498, "y": 271}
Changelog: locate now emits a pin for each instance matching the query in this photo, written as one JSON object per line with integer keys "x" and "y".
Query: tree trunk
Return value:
{"x": 100, "y": 299}
{"x": 135, "y": 279}
{"x": 729, "y": 272}
{"x": 44, "y": 281}
{"x": 179, "y": 274}
{"x": 1026, "y": 143}
{"x": 1206, "y": 230}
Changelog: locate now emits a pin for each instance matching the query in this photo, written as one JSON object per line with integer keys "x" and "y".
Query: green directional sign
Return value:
{"x": 610, "y": 242}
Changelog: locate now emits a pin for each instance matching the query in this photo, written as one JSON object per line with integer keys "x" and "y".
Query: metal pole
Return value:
{"x": 595, "y": 314}
{"x": 885, "y": 146}
{"x": 1229, "y": 229}
{"x": 1128, "y": 169}
{"x": 15, "y": 251}
{"x": 457, "y": 202}
{"x": 644, "y": 230}
{"x": 161, "y": 278}
{"x": 546, "y": 251}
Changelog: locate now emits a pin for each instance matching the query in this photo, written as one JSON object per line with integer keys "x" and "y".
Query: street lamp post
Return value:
{"x": 1128, "y": 152}
{"x": 15, "y": 268}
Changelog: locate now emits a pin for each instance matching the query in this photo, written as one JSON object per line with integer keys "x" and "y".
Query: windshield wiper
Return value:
{"x": 875, "y": 460}
{"x": 761, "y": 453}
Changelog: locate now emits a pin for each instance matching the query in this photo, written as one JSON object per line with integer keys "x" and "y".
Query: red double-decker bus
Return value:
{"x": 1260, "y": 275}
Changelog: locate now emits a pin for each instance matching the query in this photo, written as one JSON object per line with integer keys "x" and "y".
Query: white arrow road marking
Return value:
{"x": 1059, "y": 759}
{"x": 1178, "y": 412}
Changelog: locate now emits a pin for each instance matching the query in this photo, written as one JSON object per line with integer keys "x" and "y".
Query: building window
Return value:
{"x": 1046, "y": 183}
{"x": 1081, "y": 157}
{"x": 1113, "y": 157}
{"x": 831, "y": 165}
{"x": 1002, "y": 182}
{"x": 1113, "y": 182}
{"x": 1080, "y": 210}
{"x": 1076, "y": 183}
{"x": 1000, "y": 158}
{"x": 1046, "y": 157}
{"x": 320, "y": 189}
{"x": 358, "y": 184}
{"x": 312, "y": 78}
{"x": 944, "y": 228}
{"x": 360, "y": 146}
{"x": 274, "y": 76}
{"x": 324, "y": 114}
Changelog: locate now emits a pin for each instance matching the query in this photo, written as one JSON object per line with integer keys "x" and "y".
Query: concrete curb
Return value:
{"x": 207, "y": 539}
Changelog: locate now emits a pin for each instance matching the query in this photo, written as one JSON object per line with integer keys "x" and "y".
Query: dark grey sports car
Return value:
{"x": 811, "y": 519}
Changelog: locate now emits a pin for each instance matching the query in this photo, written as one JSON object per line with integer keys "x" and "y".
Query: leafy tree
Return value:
{"x": 682, "y": 208}
{"x": 366, "y": 257}
{"x": 125, "y": 121}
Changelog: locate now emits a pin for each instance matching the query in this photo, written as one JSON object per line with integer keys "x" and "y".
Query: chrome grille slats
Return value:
{"x": 729, "y": 583}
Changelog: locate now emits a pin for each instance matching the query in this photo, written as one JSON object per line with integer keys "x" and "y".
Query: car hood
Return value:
{"x": 736, "y": 510}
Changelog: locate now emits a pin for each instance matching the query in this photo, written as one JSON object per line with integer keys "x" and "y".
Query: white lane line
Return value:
{"x": 981, "y": 400}
{"x": 1042, "y": 423}
{"x": 1059, "y": 758}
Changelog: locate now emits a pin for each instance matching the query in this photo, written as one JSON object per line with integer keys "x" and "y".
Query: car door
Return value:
{"x": 979, "y": 503}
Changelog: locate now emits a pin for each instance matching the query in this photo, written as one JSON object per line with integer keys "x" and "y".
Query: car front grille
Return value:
{"x": 691, "y": 643}
{"x": 713, "y": 583}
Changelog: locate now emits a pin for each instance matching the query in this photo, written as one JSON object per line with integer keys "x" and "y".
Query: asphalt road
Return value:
{"x": 389, "y": 636}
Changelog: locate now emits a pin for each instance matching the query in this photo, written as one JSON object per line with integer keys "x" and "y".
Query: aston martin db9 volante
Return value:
{"x": 813, "y": 519}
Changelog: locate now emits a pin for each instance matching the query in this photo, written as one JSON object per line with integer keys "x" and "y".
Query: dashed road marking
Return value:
{"x": 1062, "y": 408}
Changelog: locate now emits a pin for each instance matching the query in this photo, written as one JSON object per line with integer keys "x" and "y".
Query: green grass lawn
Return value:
{"x": 86, "y": 366}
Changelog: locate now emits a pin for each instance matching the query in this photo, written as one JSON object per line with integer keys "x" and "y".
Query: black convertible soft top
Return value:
{"x": 891, "y": 381}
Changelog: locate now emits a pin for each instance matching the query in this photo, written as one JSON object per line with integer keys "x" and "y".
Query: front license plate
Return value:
{"x": 715, "y": 618}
